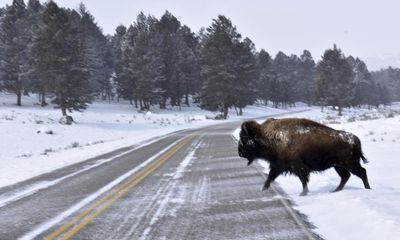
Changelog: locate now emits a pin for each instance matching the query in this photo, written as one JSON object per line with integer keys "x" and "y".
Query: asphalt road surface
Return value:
{"x": 187, "y": 185}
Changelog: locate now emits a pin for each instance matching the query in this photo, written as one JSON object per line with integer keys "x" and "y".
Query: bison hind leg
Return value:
{"x": 344, "y": 175}
{"x": 361, "y": 173}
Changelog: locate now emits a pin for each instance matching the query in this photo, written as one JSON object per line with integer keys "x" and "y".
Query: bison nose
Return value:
{"x": 240, "y": 153}
{"x": 240, "y": 149}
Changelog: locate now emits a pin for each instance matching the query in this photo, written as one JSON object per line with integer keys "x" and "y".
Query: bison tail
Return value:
{"x": 359, "y": 150}
{"x": 363, "y": 157}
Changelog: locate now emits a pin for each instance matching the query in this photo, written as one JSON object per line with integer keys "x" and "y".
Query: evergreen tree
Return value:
{"x": 125, "y": 79}
{"x": 63, "y": 54}
{"x": 2, "y": 12}
{"x": 96, "y": 51}
{"x": 263, "y": 63}
{"x": 179, "y": 70}
{"x": 123, "y": 41}
{"x": 34, "y": 9}
{"x": 183, "y": 73}
{"x": 336, "y": 76}
{"x": 218, "y": 62}
{"x": 171, "y": 85}
{"x": 188, "y": 62}
{"x": 14, "y": 49}
{"x": 266, "y": 79}
{"x": 244, "y": 85}
{"x": 365, "y": 91}
{"x": 306, "y": 78}
{"x": 275, "y": 89}
{"x": 157, "y": 61}
{"x": 108, "y": 86}
{"x": 286, "y": 76}
{"x": 383, "y": 94}
{"x": 58, "y": 60}
{"x": 389, "y": 78}
{"x": 144, "y": 64}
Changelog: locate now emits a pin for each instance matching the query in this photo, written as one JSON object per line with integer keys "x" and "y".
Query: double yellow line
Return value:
{"x": 80, "y": 221}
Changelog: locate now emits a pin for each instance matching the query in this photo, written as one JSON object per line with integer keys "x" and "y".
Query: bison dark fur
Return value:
{"x": 301, "y": 146}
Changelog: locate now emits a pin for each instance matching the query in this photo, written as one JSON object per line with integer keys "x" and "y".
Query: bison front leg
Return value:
{"x": 304, "y": 177}
{"x": 272, "y": 175}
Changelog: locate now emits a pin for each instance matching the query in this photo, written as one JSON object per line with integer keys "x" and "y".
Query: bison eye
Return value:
{"x": 250, "y": 142}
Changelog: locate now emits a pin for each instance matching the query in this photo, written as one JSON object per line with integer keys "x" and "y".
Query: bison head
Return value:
{"x": 249, "y": 142}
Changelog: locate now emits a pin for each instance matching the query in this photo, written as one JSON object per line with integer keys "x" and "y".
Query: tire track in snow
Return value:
{"x": 84, "y": 202}
{"x": 19, "y": 194}
{"x": 172, "y": 185}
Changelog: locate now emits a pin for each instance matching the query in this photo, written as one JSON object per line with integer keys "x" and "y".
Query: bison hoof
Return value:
{"x": 265, "y": 187}
{"x": 303, "y": 194}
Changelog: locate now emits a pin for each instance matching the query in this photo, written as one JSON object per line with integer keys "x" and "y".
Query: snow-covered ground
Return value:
{"x": 27, "y": 148}
{"x": 355, "y": 213}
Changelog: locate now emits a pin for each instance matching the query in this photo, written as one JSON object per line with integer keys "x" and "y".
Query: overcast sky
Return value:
{"x": 368, "y": 29}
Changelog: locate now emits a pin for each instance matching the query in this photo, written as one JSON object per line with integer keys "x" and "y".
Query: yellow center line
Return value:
{"x": 109, "y": 195}
{"x": 113, "y": 195}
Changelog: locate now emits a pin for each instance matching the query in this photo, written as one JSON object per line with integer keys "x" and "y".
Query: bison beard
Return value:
{"x": 301, "y": 146}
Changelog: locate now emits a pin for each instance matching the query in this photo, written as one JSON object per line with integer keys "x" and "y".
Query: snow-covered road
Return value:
{"x": 196, "y": 189}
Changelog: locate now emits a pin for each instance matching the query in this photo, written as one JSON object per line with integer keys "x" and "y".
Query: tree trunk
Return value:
{"x": 43, "y": 99}
{"x": 62, "y": 104}
{"x": 340, "y": 110}
{"x": 179, "y": 105}
{"x": 163, "y": 103}
{"x": 64, "y": 111}
{"x": 226, "y": 112}
{"x": 146, "y": 105}
{"x": 187, "y": 99}
{"x": 141, "y": 104}
{"x": 237, "y": 113}
{"x": 19, "y": 97}
{"x": 240, "y": 111}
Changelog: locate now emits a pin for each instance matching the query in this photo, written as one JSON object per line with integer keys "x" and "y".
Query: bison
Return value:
{"x": 301, "y": 146}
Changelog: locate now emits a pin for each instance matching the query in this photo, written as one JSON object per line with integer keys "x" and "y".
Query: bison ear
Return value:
{"x": 251, "y": 129}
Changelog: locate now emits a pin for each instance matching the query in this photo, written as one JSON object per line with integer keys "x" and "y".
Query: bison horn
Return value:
{"x": 245, "y": 129}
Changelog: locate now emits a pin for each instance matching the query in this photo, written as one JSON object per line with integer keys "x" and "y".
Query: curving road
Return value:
{"x": 187, "y": 185}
